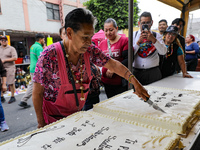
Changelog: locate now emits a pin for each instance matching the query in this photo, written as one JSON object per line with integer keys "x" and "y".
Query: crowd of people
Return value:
{"x": 66, "y": 75}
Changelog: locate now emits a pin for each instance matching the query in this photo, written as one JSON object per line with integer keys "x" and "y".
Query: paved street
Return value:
{"x": 22, "y": 120}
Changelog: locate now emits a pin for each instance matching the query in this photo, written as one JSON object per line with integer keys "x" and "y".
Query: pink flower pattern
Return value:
{"x": 47, "y": 72}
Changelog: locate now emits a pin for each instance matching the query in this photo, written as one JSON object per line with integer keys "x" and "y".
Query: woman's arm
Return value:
{"x": 195, "y": 48}
{"x": 181, "y": 62}
{"x": 37, "y": 97}
{"x": 116, "y": 67}
{"x": 4, "y": 87}
{"x": 190, "y": 52}
{"x": 9, "y": 59}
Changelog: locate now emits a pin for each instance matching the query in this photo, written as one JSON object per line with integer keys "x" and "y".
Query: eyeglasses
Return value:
{"x": 172, "y": 34}
{"x": 3, "y": 40}
{"x": 148, "y": 23}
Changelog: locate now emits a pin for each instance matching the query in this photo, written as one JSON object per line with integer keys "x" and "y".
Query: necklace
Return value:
{"x": 80, "y": 82}
{"x": 168, "y": 50}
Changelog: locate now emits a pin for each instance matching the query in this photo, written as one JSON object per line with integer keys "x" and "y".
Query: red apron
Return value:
{"x": 65, "y": 103}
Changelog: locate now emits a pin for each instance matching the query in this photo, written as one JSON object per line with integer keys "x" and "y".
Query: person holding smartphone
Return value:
{"x": 148, "y": 46}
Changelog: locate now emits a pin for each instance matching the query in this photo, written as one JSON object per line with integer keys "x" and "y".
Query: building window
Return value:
{"x": 53, "y": 11}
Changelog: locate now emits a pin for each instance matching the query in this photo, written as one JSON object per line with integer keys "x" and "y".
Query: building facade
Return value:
{"x": 22, "y": 19}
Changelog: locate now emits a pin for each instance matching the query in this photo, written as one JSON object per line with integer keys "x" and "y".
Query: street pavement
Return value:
{"x": 20, "y": 120}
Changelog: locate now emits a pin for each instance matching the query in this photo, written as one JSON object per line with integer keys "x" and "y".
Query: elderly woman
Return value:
{"x": 174, "y": 54}
{"x": 63, "y": 73}
{"x": 116, "y": 47}
{"x": 192, "y": 50}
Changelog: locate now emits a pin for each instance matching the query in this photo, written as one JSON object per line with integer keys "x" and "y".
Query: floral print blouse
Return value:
{"x": 47, "y": 72}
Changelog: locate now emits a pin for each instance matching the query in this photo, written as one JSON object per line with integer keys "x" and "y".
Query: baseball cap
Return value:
{"x": 172, "y": 29}
{"x": 4, "y": 37}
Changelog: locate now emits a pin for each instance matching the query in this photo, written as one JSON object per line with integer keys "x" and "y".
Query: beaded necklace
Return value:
{"x": 168, "y": 51}
{"x": 76, "y": 80}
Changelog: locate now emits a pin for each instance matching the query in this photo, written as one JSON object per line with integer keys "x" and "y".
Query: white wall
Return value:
{"x": 67, "y": 9}
{"x": 38, "y": 18}
{"x": 12, "y": 15}
{"x": 82, "y": 1}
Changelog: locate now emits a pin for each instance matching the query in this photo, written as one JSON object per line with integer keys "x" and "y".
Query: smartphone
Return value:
{"x": 145, "y": 27}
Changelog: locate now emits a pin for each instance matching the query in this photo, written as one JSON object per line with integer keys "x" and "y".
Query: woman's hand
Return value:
{"x": 4, "y": 87}
{"x": 41, "y": 124}
{"x": 109, "y": 73}
{"x": 187, "y": 75}
{"x": 140, "y": 91}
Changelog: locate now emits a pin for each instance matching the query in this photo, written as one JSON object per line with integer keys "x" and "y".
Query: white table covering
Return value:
{"x": 178, "y": 82}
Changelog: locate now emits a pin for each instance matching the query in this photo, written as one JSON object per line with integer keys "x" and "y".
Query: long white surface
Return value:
{"x": 177, "y": 81}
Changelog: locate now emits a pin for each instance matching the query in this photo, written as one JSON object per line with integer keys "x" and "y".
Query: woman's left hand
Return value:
{"x": 187, "y": 75}
{"x": 109, "y": 73}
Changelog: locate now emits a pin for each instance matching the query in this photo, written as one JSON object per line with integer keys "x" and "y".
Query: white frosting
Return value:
{"x": 93, "y": 131}
{"x": 179, "y": 105}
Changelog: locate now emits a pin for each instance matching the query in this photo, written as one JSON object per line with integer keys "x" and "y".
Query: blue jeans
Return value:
{"x": 2, "y": 118}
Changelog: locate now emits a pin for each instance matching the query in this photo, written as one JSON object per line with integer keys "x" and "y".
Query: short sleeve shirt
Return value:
{"x": 47, "y": 72}
{"x": 116, "y": 49}
{"x": 8, "y": 52}
{"x": 35, "y": 51}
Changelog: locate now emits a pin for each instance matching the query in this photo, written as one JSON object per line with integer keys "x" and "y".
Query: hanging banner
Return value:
{"x": 49, "y": 41}
{"x": 8, "y": 37}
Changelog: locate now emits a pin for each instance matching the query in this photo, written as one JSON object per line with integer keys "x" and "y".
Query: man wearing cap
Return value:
{"x": 148, "y": 46}
{"x": 179, "y": 23}
{"x": 8, "y": 57}
{"x": 174, "y": 54}
{"x": 35, "y": 51}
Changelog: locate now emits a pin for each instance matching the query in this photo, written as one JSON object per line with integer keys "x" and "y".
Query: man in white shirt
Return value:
{"x": 148, "y": 46}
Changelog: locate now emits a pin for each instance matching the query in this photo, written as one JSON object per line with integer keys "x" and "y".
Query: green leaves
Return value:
{"x": 116, "y": 9}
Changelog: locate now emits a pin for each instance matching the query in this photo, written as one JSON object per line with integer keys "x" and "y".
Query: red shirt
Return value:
{"x": 116, "y": 49}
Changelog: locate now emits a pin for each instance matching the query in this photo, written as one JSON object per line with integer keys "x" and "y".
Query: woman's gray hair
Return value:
{"x": 75, "y": 18}
{"x": 111, "y": 20}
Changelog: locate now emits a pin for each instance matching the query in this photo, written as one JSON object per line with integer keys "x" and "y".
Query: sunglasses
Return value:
{"x": 3, "y": 40}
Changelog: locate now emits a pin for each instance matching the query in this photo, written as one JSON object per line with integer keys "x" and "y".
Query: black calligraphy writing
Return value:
{"x": 99, "y": 132}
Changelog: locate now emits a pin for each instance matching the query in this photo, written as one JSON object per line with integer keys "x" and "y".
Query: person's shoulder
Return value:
{"x": 180, "y": 37}
{"x": 195, "y": 44}
{"x": 49, "y": 51}
{"x": 11, "y": 47}
{"x": 102, "y": 43}
{"x": 124, "y": 38}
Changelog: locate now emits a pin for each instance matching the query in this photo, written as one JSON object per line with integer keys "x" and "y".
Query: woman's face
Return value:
{"x": 63, "y": 34}
{"x": 188, "y": 39}
{"x": 110, "y": 31}
{"x": 170, "y": 37}
{"x": 81, "y": 39}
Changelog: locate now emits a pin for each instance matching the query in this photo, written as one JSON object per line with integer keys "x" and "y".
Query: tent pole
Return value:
{"x": 183, "y": 17}
{"x": 130, "y": 38}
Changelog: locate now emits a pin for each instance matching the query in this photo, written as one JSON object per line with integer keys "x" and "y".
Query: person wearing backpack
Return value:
{"x": 148, "y": 46}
